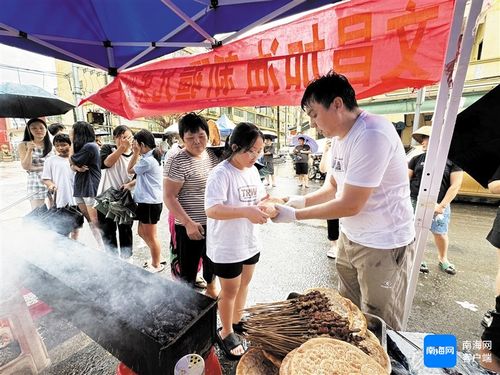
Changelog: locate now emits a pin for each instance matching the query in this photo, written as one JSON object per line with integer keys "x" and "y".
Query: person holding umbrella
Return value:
{"x": 450, "y": 185}
{"x": 268, "y": 157}
{"x": 301, "y": 153}
{"x": 368, "y": 190}
{"x": 33, "y": 151}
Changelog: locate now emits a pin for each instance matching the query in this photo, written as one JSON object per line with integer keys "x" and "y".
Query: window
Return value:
{"x": 238, "y": 113}
{"x": 251, "y": 117}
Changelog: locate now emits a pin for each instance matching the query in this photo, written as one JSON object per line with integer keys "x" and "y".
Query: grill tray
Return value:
{"x": 111, "y": 301}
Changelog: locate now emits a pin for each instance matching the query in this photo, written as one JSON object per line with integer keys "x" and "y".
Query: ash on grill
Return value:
{"x": 280, "y": 327}
{"x": 165, "y": 321}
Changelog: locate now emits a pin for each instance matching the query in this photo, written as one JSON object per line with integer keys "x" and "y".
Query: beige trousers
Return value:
{"x": 376, "y": 280}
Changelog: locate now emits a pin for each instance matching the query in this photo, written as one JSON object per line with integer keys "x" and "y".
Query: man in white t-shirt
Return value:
{"x": 368, "y": 190}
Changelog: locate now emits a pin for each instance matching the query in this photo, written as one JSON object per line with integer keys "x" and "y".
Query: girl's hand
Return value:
{"x": 81, "y": 169}
{"x": 128, "y": 186}
{"x": 136, "y": 148}
{"x": 256, "y": 215}
{"x": 30, "y": 146}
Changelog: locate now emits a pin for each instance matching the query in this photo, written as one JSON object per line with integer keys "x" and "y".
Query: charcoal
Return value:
{"x": 144, "y": 320}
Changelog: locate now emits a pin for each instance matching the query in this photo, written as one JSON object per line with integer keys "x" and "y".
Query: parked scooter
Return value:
{"x": 314, "y": 172}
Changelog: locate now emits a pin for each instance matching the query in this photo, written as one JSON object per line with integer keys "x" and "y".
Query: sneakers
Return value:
{"x": 332, "y": 253}
{"x": 150, "y": 268}
{"x": 200, "y": 282}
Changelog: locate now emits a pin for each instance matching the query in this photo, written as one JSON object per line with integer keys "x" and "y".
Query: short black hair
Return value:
{"x": 325, "y": 89}
{"x": 192, "y": 123}
{"x": 302, "y": 138}
{"x": 61, "y": 138}
{"x": 146, "y": 138}
{"x": 119, "y": 130}
{"x": 56, "y": 127}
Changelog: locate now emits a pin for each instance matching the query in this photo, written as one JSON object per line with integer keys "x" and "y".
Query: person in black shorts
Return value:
{"x": 301, "y": 153}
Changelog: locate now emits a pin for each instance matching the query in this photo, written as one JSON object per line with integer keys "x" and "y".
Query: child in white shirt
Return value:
{"x": 232, "y": 193}
{"x": 58, "y": 176}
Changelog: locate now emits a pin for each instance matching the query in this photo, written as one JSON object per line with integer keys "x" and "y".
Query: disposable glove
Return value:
{"x": 296, "y": 201}
{"x": 286, "y": 214}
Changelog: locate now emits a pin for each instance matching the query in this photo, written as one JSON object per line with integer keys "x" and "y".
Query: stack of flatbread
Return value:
{"x": 324, "y": 355}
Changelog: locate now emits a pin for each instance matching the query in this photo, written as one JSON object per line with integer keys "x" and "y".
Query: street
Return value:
{"x": 294, "y": 259}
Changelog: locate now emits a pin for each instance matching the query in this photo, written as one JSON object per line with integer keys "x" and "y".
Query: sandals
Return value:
{"x": 150, "y": 268}
{"x": 238, "y": 327}
{"x": 447, "y": 267}
{"x": 424, "y": 268}
{"x": 229, "y": 343}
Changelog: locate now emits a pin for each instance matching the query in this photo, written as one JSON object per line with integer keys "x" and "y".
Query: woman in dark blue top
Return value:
{"x": 86, "y": 163}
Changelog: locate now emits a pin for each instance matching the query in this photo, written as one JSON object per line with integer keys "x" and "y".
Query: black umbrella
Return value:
{"x": 28, "y": 101}
{"x": 475, "y": 145}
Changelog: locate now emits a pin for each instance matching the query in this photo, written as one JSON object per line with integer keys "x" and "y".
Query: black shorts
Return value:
{"x": 148, "y": 213}
{"x": 494, "y": 235}
{"x": 301, "y": 168}
{"x": 232, "y": 270}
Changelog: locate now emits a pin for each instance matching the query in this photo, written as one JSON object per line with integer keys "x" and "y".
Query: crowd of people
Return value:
{"x": 214, "y": 201}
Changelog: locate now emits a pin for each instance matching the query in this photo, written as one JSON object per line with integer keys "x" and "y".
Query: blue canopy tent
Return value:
{"x": 113, "y": 35}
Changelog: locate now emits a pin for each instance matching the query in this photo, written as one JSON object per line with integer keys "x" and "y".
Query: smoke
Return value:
{"x": 94, "y": 290}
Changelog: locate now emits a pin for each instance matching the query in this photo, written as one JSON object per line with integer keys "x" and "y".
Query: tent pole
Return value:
{"x": 418, "y": 105}
{"x": 445, "y": 114}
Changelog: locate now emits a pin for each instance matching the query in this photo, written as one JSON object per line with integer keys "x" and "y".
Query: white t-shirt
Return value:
{"x": 372, "y": 155}
{"x": 58, "y": 170}
{"x": 116, "y": 175}
{"x": 234, "y": 240}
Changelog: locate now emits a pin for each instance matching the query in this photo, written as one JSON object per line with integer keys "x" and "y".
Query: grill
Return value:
{"x": 145, "y": 321}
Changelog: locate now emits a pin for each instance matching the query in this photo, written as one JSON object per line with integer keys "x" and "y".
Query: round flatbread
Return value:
{"x": 253, "y": 362}
{"x": 377, "y": 352}
{"x": 272, "y": 358}
{"x": 324, "y": 356}
{"x": 338, "y": 303}
{"x": 371, "y": 336}
{"x": 286, "y": 363}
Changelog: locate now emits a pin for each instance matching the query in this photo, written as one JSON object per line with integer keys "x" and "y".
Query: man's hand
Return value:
{"x": 296, "y": 201}
{"x": 52, "y": 188}
{"x": 195, "y": 231}
{"x": 286, "y": 214}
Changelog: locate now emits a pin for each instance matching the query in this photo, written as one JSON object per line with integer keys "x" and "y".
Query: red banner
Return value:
{"x": 381, "y": 46}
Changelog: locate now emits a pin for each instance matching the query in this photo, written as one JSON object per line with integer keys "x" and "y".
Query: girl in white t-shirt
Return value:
{"x": 232, "y": 192}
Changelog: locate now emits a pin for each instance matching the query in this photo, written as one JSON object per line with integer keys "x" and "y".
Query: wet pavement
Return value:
{"x": 294, "y": 259}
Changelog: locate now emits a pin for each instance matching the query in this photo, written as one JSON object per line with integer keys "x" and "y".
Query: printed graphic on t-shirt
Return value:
{"x": 338, "y": 165}
{"x": 248, "y": 193}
